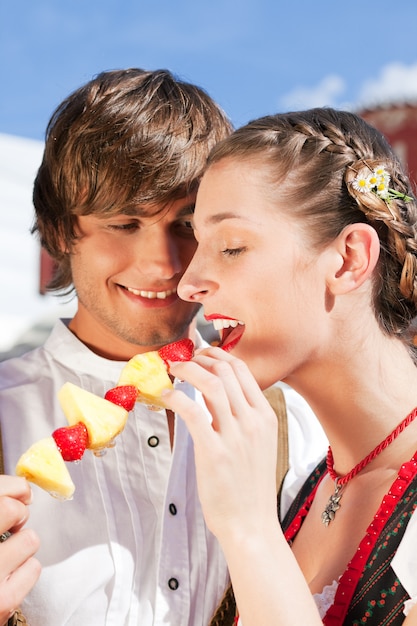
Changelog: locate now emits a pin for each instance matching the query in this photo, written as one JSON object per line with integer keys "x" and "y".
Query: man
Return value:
{"x": 114, "y": 198}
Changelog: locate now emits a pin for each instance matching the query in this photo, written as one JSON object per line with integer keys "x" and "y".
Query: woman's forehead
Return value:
{"x": 232, "y": 190}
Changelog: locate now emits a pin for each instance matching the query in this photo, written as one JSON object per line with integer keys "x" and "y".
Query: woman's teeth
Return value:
{"x": 151, "y": 295}
{"x": 221, "y": 323}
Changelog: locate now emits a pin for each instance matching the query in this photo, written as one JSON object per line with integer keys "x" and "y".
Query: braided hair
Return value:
{"x": 311, "y": 158}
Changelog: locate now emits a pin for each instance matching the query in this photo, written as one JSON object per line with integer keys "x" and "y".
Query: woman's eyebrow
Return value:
{"x": 227, "y": 215}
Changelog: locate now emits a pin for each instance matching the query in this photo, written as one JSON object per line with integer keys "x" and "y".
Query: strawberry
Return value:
{"x": 123, "y": 395}
{"x": 181, "y": 350}
{"x": 71, "y": 441}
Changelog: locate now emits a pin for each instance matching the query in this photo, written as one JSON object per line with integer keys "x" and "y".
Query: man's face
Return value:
{"x": 125, "y": 270}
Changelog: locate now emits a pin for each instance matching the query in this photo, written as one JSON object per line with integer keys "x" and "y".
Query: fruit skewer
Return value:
{"x": 95, "y": 422}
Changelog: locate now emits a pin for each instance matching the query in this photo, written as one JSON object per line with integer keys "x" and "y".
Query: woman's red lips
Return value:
{"x": 217, "y": 316}
{"x": 230, "y": 329}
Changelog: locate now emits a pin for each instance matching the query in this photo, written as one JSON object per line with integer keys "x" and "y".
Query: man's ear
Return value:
{"x": 355, "y": 253}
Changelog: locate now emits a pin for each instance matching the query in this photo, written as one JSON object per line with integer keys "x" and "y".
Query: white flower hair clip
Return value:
{"x": 378, "y": 182}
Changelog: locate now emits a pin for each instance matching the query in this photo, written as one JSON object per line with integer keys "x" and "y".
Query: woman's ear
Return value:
{"x": 355, "y": 255}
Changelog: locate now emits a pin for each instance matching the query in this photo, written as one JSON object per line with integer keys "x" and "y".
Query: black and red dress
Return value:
{"x": 369, "y": 591}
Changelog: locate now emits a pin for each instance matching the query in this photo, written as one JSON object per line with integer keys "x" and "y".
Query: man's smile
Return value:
{"x": 151, "y": 295}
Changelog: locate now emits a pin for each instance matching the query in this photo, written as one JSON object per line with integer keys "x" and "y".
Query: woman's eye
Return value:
{"x": 230, "y": 252}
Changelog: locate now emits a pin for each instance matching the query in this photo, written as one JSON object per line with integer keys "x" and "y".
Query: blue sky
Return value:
{"x": 253, "y": 56}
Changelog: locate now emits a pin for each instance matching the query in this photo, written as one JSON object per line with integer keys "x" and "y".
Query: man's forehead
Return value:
{"x": 179, "y": 207}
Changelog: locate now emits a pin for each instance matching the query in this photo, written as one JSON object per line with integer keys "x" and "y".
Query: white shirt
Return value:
{"x": 132, "y": 547}
{"x": 118, "y": 553}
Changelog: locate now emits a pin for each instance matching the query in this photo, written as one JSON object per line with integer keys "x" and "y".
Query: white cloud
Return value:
{"x": 323, "y": 94}
{"x": 396, "y": 82}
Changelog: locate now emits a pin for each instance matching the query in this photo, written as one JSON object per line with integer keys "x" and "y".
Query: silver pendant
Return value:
{"x": 333, "y": 505}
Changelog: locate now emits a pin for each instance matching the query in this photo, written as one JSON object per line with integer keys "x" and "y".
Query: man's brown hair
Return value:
{"x": 126, "y": 138}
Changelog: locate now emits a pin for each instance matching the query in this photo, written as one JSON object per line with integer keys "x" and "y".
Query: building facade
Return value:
{"x": 398, "y": 122}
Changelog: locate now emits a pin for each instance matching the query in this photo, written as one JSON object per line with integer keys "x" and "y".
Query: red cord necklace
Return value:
{"x": 333, "y": 504}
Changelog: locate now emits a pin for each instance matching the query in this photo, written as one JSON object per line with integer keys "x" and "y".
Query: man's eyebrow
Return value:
{"x": 187, "y": 210}
{"x": 143, "y": 211}
{"x": 133, "y": 211}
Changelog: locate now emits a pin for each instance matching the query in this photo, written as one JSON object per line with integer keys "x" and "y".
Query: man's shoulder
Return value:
{"x": 21, "y": 369}
{"x": 35, "y": 363}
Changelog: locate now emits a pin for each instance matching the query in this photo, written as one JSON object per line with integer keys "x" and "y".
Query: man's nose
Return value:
{"x": 159, "y": 255}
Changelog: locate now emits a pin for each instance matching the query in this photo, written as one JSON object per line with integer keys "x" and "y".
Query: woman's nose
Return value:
{"x": 193, "y": 287}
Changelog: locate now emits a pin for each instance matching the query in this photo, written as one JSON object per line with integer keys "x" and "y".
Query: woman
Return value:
{"x": 307, "y": 264}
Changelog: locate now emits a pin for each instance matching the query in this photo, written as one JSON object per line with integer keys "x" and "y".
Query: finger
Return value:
{"x": 237, "y": 383}
{"x": 193, "y": 414}
{"x": 13, "y": 514}
{"x": 248, "y": 381}
{"x": 14, "y": 589}
{"x": 214, "y": 358}
{"x": 16, "y": 487}
{"x": 16, "y": 550}
{"x": 233, "y": 379}
{"x": 216, "y": 388}
{"x": 256, "y": 418}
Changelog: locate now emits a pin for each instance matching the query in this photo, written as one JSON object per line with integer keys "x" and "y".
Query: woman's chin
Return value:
{"x": 257, "y": 361}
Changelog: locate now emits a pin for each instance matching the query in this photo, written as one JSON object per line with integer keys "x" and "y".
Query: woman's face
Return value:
{"x": 255, "y": 273}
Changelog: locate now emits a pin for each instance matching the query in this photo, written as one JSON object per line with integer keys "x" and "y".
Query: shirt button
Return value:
{"x": 173, "y": 584}
{"x": 153, "y": 441}
{"x": 172, "y": 509}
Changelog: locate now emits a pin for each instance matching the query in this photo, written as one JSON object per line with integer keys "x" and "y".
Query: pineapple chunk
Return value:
{"x": 149, "y": 374}
{"x": 43, "y": 465}
{"x": 103, "y": 419}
